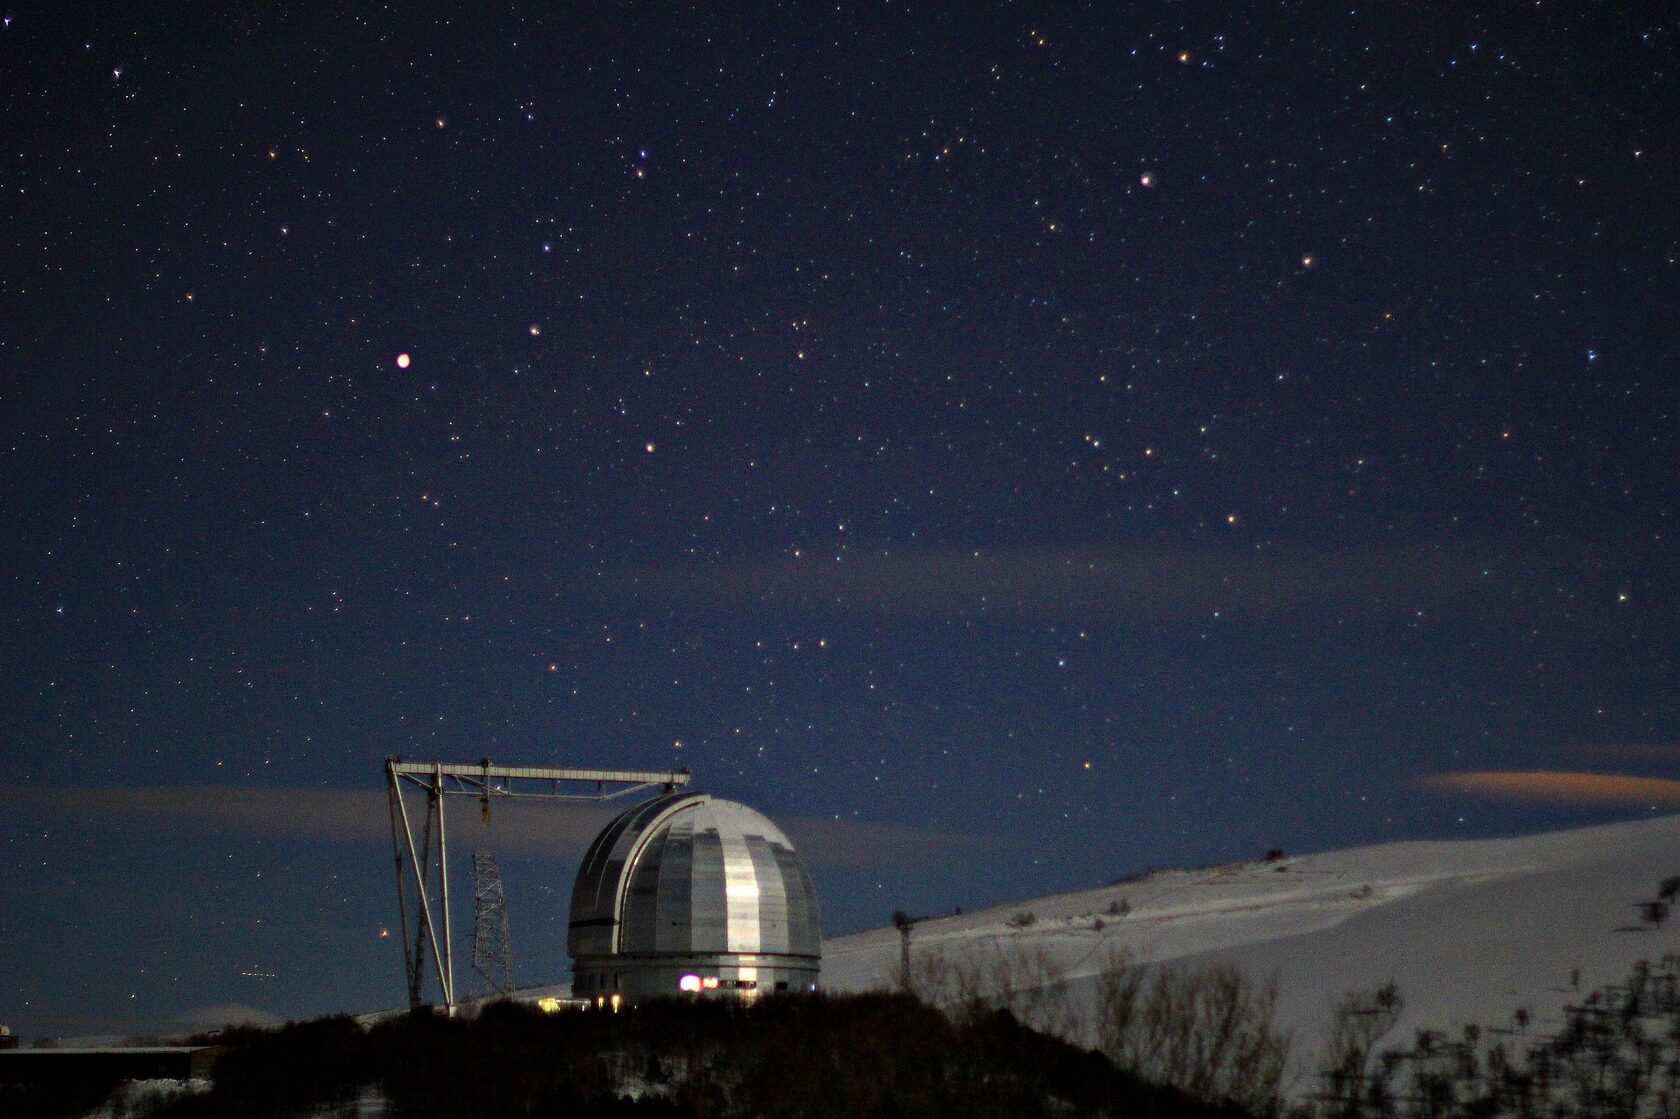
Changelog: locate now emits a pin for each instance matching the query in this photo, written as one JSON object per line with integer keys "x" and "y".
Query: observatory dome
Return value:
{"x": 689, "y": 893}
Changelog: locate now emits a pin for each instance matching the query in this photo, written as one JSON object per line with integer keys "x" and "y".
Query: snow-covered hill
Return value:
{"x": 1470, "y": 931}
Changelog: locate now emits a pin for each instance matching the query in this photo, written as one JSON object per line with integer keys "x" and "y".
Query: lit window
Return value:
{"x": 689, "y": 983}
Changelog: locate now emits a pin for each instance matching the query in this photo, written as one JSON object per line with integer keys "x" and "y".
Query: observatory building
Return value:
{"x": 688, "y": 893}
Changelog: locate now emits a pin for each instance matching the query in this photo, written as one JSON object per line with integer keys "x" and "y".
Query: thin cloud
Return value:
{"x": 1625, "y": 751}
{"x": 516, "y": 828}
{"x": 1595, "y": 790}
{"x": 1086, "y": 581}
{"x": 202, "y": 1019}
{"x": 861, "y": 843}
{"x": 304, "y": 813}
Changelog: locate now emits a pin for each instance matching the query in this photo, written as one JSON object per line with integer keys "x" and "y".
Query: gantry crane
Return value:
{"x": 488, "y": 782}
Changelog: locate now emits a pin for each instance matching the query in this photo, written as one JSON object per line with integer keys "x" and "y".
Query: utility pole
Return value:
{"x": 903, "y": 922}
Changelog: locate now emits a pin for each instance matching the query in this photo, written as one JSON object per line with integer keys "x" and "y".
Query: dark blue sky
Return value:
{"x": 1041, "y": 444}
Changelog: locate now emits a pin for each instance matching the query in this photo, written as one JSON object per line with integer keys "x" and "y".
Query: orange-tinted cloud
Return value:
{"x": 516, "y": 828}
{"x": 1555, "y": 787}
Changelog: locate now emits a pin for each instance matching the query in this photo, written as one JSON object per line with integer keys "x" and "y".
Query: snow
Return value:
{"x": 1470, "y": 931}
{"x": 370, "y": 1103}
{"x": 140, "y": 1095}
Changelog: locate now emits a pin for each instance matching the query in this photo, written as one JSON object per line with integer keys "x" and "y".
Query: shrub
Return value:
{"x": 1616, "y": 1053}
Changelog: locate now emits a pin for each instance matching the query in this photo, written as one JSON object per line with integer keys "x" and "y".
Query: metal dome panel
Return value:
{"x": 685, "y": 881}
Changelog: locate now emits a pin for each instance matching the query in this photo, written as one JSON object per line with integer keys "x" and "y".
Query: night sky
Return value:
{"x": 1014, "y": 447}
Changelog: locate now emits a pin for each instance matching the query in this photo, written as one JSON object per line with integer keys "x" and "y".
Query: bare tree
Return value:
{"x": 1360, "y": 1020}
{"x": 1028, "y": 982}
{"x": 1206, "y": 1030}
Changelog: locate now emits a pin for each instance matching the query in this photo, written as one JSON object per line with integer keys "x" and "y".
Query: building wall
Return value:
{"x": 713, "y": 975}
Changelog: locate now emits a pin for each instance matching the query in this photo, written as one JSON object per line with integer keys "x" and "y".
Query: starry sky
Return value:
{"x": 1013, "y": 446}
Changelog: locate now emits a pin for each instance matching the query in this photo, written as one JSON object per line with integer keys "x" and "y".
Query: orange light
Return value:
{"x": 402, "y": 361}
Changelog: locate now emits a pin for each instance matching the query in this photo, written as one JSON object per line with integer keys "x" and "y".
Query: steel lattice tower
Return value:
{"x": 492, "y": 949}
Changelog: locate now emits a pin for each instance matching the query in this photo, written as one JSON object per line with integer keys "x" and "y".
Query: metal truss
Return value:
{"x": 426, "y": 846}
{"x": 492, "y": 942}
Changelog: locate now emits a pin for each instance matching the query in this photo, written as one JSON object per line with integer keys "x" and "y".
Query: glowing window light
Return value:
{"x": 689, "y": 983}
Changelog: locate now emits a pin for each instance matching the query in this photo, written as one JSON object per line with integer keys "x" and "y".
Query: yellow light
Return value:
{"x": 550, "y": 1005}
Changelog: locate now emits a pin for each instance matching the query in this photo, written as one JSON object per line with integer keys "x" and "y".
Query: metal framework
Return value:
{"x": 426, "y": 847}
{"x": 492, "y": 943}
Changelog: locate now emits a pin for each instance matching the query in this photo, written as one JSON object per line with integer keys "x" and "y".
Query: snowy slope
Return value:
{"x": 1470, "y": 931}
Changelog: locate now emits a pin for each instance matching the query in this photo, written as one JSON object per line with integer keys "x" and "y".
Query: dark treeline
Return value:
{"x": 884, "y": 1055}
{"x": 1615, "y": 1052}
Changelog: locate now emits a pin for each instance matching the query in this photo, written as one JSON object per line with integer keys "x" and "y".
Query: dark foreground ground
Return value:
{"x": 846, "y": 1057}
